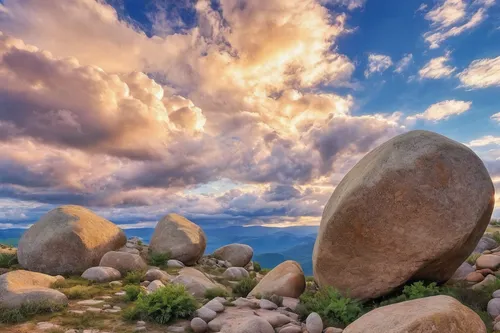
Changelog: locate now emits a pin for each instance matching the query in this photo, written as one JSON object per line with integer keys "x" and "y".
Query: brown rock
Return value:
{"x": 424, "y": 315}
{"x": 238, "y": 255}
{"x": 490, "y": 261}
{"x": 485, "y": 271}
{"x": 404, "y": 212}
{"x": 286, "y": 279}
{"x": 474, "y": 277}
{"x": 123, "y": 261}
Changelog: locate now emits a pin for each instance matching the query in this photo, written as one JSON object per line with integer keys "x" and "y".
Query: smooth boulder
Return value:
{"x": 123, "y": 261}
{"x": 235, "y": 273}
{"x": 68, "y": 240}
{"x": 424, "y": 315}
{"x": 287, "y": 280}
{"x": 196, "y": 282}
{"x": 238, "y": 255}
{"x": 404, "y": 212}
{"x": 180, "y": 238}
{"x": 462, "y": 272}
{"x": 101, "y": 274}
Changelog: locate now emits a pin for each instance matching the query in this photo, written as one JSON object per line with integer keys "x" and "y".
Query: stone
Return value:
{"x": 90, "y": 302}
{"x": 206, "y": 314}
{"x": 403, "y": 203}
{"x": 45, "y": 326}
{"x": 267, "y": 305}
{"x": 129, "y": 250}
{"x": 291, "y": 329}
{"x": 461, "y": 273}
{"x": 429, "y": 314}
{"x": 245, "y": 303}
{"x": 286, "y": 279}
{"x": 78, "y": 312}
{"x": 115, "y": 284}
{"x": 198, "y": 325}
{"x": 496, "y": 294}
{"x": 474, "y": 277}
{"x": 68, "y": 240}
{"x": 274, "y": 318}
{"x": 140, "y": 329}
{"x": 155, "y": 285}
{"x": 485, "y": 243}
{"x": 156, "y": 274}
{"x": 215, "y": 305}
{"x": 172, "y": 263}
{"x": 494, "y": 307}
{"x": 496, "y": 327}
{"x": 314, "y": 324}
{"x": 145, "y": 283}
{"x": 333, "y": 330}
{"x": 490, "y": 261}
{"x": 235, "y": 273}
{"x": 487, "y": 281}
{"x": 180, "y": 238}
{"x": 290, "y": 303}
{"x": 120, "y": 293}
{"x": 485, "y": 271}
{"x": 93, "y": 309}
{"x": 20, "y": 287}
{"x": 238, "y": 255}
{"x": 196, "y": 282}
{"x": 123, "y": 261}
{"x": 251, "y": 324}
{"x": 101, "y": 274}
{"x": 141, "y": 323}
{"x": 112, "y": 310}
{"x": 71, "y": 331}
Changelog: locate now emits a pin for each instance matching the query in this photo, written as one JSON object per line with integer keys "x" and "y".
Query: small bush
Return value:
{"x": 264, "y": 271}
{"x": 244, "y": 287}
{"x": 166, "y": 304}
{"x": 419, "y": 290}
{"x": 27, "y": 311}
{"x": 130, "y": 313}
{"x": 496, "y": 236}
{"x": 159, "y": 259}
{"x": 471, "y": 260}
{"x": 133, "y": 277}
{"x": 7, "y": 260}
{"x": 140, "y": 243}
{"x": 70, "y": 282}
{"x": 256, "y": 267}
{"x": 81, "y": 292}
{"x": 215, "y": 292}
{"x": 132, "y": 292}
{"x": 334, "y": 309}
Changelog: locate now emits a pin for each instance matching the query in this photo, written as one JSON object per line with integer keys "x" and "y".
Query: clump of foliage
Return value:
{"x": 27, "y": 311}
{"x": 166, "y": 304}
{"x": 256, "y": 267}
{"x": 159, "y": 259}
{"x": 132, "y": 292}
{"x": 278, "y": 300}
{"x": 244, "y": 287}
{"x": 496, "y": 236}
{"x": 140, "y": 242}
{"x": 264, "y": 271}
{"x": 215, "y": 292}
{"x": 7, "y": 260}
{"x": 133, "y": 277}
{"x": 471, "y": 260}
{"x": 495, "y": 222}
{"x": 81, "y": 292}
{"x": 70, "y": 282}
{"x": 413, "y": 291}
{"x": 335, "y": 309}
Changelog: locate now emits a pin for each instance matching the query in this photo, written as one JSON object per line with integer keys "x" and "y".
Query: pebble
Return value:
{"x": 92, "y": 309}
{"x": 141, "y": 323}
{"x": 120, "y": 293}
{"x": 90, "y": 302}
{"x": 45, "y": 326}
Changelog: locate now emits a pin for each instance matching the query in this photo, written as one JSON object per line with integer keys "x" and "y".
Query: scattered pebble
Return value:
{"x": 90, "y": 302}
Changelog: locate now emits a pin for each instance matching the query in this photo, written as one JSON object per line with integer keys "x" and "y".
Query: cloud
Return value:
{"x": 377, "y": 63}
{"x": 485, "y": 141}
{"x": 496, "y": 117}
{"x": 437, "y": 68}
{"x": 447, "y": 13}
{"x": 443, "y": 110}
{"x": 481, "y": 73}
{"x": 349, "y": 4}
{"x": 403, "y": 64}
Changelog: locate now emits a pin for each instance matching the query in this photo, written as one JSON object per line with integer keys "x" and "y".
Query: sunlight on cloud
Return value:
{"x": 377, "y": 63}
{"x": 404, "y": 63}
{"x": 481, "y": 73}
{"x": 485, "y": 141}
{"x": 443, "y": 110}
{"x": 496, "y": 117}
{"x": 437, "y": 68}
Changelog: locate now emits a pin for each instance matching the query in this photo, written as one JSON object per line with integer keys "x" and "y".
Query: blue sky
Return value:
{"x": 231, "y": 112}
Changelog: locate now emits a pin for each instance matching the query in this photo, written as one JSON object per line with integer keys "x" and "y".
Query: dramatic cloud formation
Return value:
{"x": 377, "y": 63}
{"x": 481, "y": 73}
{"x": 443, "y": 110}
{"x": 437, "y": 68}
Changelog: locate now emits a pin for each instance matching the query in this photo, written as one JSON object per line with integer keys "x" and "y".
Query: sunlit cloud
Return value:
{"x": 485, "y": 141}
{"x": 481, "y": 73}
{"x": 496, "y": 117}
{"x": 437, "y": 68}
{"x": 443, "y": 110}
{"x": 404, "y": 63}
{"x": 377, "y": 63}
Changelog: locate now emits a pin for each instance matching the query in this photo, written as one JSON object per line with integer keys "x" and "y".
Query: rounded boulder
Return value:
{"x": 238, "y": 255}
{"x": 123, "y": 261}
{"x": 404, "y": 212}
{"x": 287, "y": 280}
{"x": 101, "y": 274}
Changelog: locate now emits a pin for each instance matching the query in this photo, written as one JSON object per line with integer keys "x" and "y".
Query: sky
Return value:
{"x": 230, "y": 112}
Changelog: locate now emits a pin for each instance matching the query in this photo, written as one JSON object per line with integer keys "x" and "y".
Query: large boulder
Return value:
{"x": 123, "y": 261}
{"x": 238, "y": 255}
{"x": 21, "y": 287}
{"x": 287, "y": 280}
{"x": 412, "y": 209}
{"x": 424, "y": 315}
{"x": 180, "y": 238}
{"x": 68, "y": 240}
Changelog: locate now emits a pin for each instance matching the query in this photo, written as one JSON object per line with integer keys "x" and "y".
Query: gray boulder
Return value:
{"x": 235, "y": 273}
{"x": 123, "y": 261}
{"x": 238, "y": 255}
{"x": 101, "y": 274}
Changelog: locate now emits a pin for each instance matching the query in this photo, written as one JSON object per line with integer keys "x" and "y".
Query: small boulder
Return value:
{"x": 462, "y": 272}
{"x": 172, "y": 263}
{"x": 286, "y": 279}
{"x": 252, "y": 324}
{"x": 484, "y": 244}
{"x": 101, "y": 274}
{"x": 314, "y": 324}
{"x": 429, "y": 314}
{"x": 198, "y": 325}
{"x": 496, "y": 294}
{"x": 123, "y": 261}
{"x": 290, "y": 303}
{"x": 490, "y": 261}
{"x": 291, "y": 329}
{"x": 206, "y": 314}
{"x": 238, "y": 255}
{"x": 155, "y": 285}
{"x": 235, "y": 273}
{"x": 180, "y": 238}
{"x": 215, "y": 305}
{"x": 487, "y": 281}
{"x": 156, "y": 274}
{"x": 494, "y": 307}
{"x": 333, "y": 330}
{"x": 267, "y": 305}
{"x": 474, "y": 277}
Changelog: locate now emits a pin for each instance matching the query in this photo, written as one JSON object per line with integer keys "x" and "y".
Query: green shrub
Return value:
{"x": 159, "y": 259}
{"x": 130, "y": 313}
{"x": 215, "y": 292}
{"x": 264, "y": 271}
{"x": 244, "y": 287}
{"x": 496, "y": 236}
{"x": 70, "y": 282}
{"x": 334, "y": 309}
{"x": 419, "y": 290}
{"x": 81, "y": 292}
{"x": 133, "y": 277}
{"x": 7, "y": 260}
{"x": 256, "y": 267}
{"x": 166, "y": 304}
{"x": 27, "y": 311}
{"x": 132, "y": 292}
{"x": 471, "y": 260}
{"x": 140, "y": 243}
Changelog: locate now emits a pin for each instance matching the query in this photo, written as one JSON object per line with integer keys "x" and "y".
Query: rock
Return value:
{"x": 68, "y": 240}
{"x": 485, "y": 271}
{"x": 141, "y": 323}
{"x": 90, "y": 302}
{"x": 215, "y": 305}
{"x": 246, "y": 303}
{"x": 172, "y": 263}
{"x": 430, "y": 314}
{"x": 238, "y": 255}
{"x": 145, "y": 284}
{"x": 115, "y": 284}
{"x": 251, "y": 324}
{"x": 462, "y": 272}
{"x": 496, "y": 327}
{"x": 290, "y": 303}
{"x": 140, "y": 329}
{"x": 235, "y": 273}
{"x": 267, "y": 305}
{"x": 124, "y": 262}
{"x": 403, "y": 203}
{"x": 494, "y": 307}
{"x": 120, "y": 293}
{"x": 45, "y": 326}
{"x": 93, "y": 309}
{"x": 286, "y": 279}
{"x": 291, "y": 329}
{"x": 274, "y": 318}
{"x": 20, "y": 287}
{"x": 195, "y": 281}
{"x": 314, "y": 324}
{"x": 180, "y": 238}
{"x": 155, "y": 285}
{"x": 198, "y": 325}
{"x": 474, "y": 277}
{"x": 206, "y": 314}
{"x": 101, "y": 274}
{"x": 487, "y": 281}
{"x": 333, "y": 330}
{"x": 485, "y": 243}
{"x": 129, "y": 250}
{"x": 490, "y": 261}
{"x": 496, "y": 294}
{"x": 156, "y": 274}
